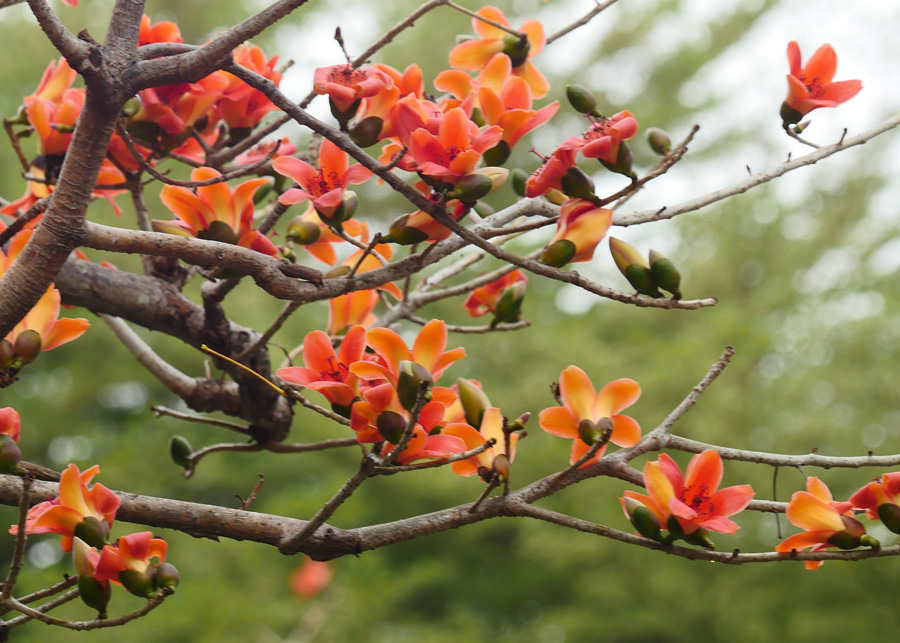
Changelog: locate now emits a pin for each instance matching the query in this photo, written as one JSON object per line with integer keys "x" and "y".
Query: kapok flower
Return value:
{"x": 826, "y": 523}
{"x": 585, "y": 410}
{"x": 354, "y": 308}
{"x": 240, "y": 105}
{"x": 132, "y": 554}
{"x": 315, "y": 236}
{"x": 215, "y": 212}
{"x": 581, "y": 226}
{"x": 178, "y": 106}
{"x": 549, "y": 175}
{"x": 485, "y": 463}
{"x": 346, "y": 85}
{"x": 75, "y": 503}
{"x": 10, "y": 423}
{"x": 881, "y": 500}
{"x": 692, "y": 502}
{"x": 502, "y": 296}
{"x": 472, "y": 55}
{"x": 160, "y": 32}
{"x": 383, "y": 104}
{"x": 428, "y": 351}
{"x": 326, "y": 371}
{"x": 311, "y": 578}
{"x": 456, "y": 149}
{"x": 325, "y": 186}
{"x": 44, "y": 317}
{"x": 810, "y": 87}
{"x": 604, "y": 137}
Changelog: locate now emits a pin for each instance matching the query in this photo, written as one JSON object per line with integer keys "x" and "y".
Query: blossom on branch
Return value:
{"x": 346, "y": 85}
{"x": 581, "y": 226}
{"x": 811, "y": 87}
{"x": 502, "y": 296}
{"x": 492, "y": 460}
{"x": 585, "y": 413}
{"x": 881, "y": 500}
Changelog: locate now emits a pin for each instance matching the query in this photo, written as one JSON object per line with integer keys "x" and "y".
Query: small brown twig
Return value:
{"x": 245, "y": 504}
{"x": 160, "y": 411}
{"x": 21, "y": 538}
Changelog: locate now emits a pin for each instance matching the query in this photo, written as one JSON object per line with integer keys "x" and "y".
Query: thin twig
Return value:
{"x": 21, "y": 538}
{"x": 294, "y": 394}
{"x": 195, "y": 457}
{"x": 245, "y": 504}
{"x": 433, "y": 464}
{"x": 581, "y": 22}
{"x": 152, "y": 603}
{"x": 260, "y": 343}
{"x": 159, "y": 411}
{"x": 474, "y": 330}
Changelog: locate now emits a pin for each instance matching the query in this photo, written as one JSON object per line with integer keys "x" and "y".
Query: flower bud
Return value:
{"x": 624, "y": 160}
{"x": 166, "y": 576}
{"x": 303, "y": 232}
{"x": 509, "y": 307}
{"x": 519, "y": 176}
{"x": 659, "y": 141}
{"x": 665, "y": 274}
{"x": 94, "y": 594}
{"x": 516, "y": 48}
{"x": 412, "y": 376}
{"x": 402, "y": 234}
{"x": 10, "y": 455}
{"x": 851, "y": 536}
{"x": 27, "y": 345}
{"x": 581, "y": 99}
{"x": 335, "y": 216}
{"x": 344, "y": 116}
{"x": 391, "y": 426}
{"x": 497, "y": 155}
{"x": 92, "y": 531}
{"x": 471, "y": 187}
{"x": 180, "y": 449}
{"x": 633, "y": 266}
{"x": 575, "y": 183}
{"x": 501, "y": 466}
{"x": 219, "y": 231}
{"x": 559, "y": 253}
{"x": 890, "y": 516}
{"x": 645, "y": 521}
{"x": 138, "y": 583}
{"x": 366, "y": 132}
{"x": 6, "y": 353}
{"x": 473, "y": 400}
{"x": 132, "y": 107}
{"x": 674, "y": 527}
{"x": 700, "y": 538}
{"x": 519, "y": 423}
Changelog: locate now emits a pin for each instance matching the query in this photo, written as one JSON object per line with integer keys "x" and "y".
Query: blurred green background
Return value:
{"x": 804, "y": 269}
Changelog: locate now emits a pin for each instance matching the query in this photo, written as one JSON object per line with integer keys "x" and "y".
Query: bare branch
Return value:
{"x": 582, "y": 21}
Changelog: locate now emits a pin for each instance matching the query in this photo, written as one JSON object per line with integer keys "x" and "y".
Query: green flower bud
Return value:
{"x": 575, "y": 183}
{"x": 624, "y": 160}
{"x": 633, "y": 266}
{"x": 138, "y": 583}
{"x": 789, "y": 115}
{"x": 27, "y": 345}
{"x": 519, "y": 176}
{"x": 92, "y": 531}
{"x": 674, "y": 527}
{"x": 303, "y": 232}
{"x": 851, "y": 536}
{"x": 132, "y": 107}
{"x": 391, "y": 426}
{"x": 645, "y": 521}
{"x": 664, "y": 273}
{"x": 700, "y": 538}
{"x": 412, "y": 376}
{"x": 337, "y": 271}
{"x": 366, "y": 132}
{"x": 10, "y": 455}
{"x": 219, "y": 231}
{"x": 890, "y": 516}
{"x": 473, "y": 400}
{"x": 642, "y": 280}
{"x": 509, "y": 308}
{"x": 94, "y": 594}
{"x": 180, "y": 449}
{"x": 471, "y": 187}
{"x": 581, "y": 99}
{"x": 501, "y": 466}
{"x": 345, "y": 116}
{"x": 402, "y": 234}
{"x": 147, "y": 131}
{"x": 516, "y": 48}
{"x": 497, "y": 155}
{"x": 659, "y": 141}
{"x": 342, "y": 213}
{"x": 519, "y": 423}
{"x": 166, "y": 576}
{"x": 559, "y": 253}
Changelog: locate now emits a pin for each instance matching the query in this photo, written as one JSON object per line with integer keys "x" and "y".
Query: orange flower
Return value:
{"x": 826, "y": 523}
{"x": 326, "y": 371}
{"x": 487, "y": 298}
{"x": 810, "y": 87}
{"x": 160, "y": 32}
{"x": 885, "y": 490}
{"x": 585, "y": 409}
{"x": 550, "y": 174}
{"x": 311, "y": 578}
{"x": 346, "y": 85}
{"x": 240, "y": 105}
{"x": 351, "y": 309}
{"x": 325, "y": 186}
{"x": 132, "y": 552}
{"x": 316, "y": 237}
{"x": 693, "y": 502}
{"x": 581, "y": 226}
{"x": 383, "y": 104}
{"x": 215, "y": 212}
{"x": 10, "y": 424}
{"x": 604, "y": 137}
{"x": 491, "y": 427}
{"x": 76, "y": 501}
{"x": 44, "y": 317}
{"x": 176, "y": 107}
{"x": 472, "y": 55}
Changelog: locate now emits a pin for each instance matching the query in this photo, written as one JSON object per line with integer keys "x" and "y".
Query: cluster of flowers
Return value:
{"x": 83, "y": 516}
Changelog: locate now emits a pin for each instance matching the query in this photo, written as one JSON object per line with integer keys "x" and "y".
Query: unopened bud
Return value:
{"x": 219, "y": 231}
{"x": 471, "y": 187}
{"x": 132, "y": 107}
{"x": 180, "y": 449}
{"x": 519, "y": 423}
{"x": 624, "y": 160}
{"x": 577, "y": 184}
{"x": 501, "y": 466}
{"x": 303, "y": 232}
{"x": 890, "y": 516}
{"x": 519, "y": 176}
{"x": 138, "y": 583}
{"x": 92, "y": 531}
{"x": 789, "y": 115}
{"x": 166, "y": 576}
{"x": 674, "y": 527}
{"x": 659, "y": 141}
{"x": 559, "y": 253}
{"x": 509, "y": 308}
{"x": 700, "y": 538}
{"x": 633, "y": 266}
{"x": 391, "y": 426}
{"x": 665, "y": 274}
{"x": 473, "y": 400}
{"x": 94, "y": 594}
{"x": 10, "y": 455}
{"x": 27, "y": 345}
{"x": 366, "y": 132}
{"x": 645, "y": 521}
{"x": 497, "y": 155}
{"x": 403, "y": 234}
{"x": 412, "y": 377}
{"x": 581, "y": 99}
{"x": 516, "y": 48}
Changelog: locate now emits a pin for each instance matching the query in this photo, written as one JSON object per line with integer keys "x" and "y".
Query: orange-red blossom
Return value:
{"x": 584, "y": 411}
{"x": 811, "y": 87}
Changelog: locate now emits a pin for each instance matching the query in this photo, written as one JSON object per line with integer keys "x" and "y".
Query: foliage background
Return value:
{"x": 805, "y": 271}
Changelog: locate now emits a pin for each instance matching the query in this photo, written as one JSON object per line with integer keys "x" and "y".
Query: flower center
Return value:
{"x": 323, "y": 183}
{"x": 813, "y": 85}
{"x": 697, "y": 497}
{"x": 347, "y": 76}
{"x": 598, "y": 129}
{"x": 336, "y": 372}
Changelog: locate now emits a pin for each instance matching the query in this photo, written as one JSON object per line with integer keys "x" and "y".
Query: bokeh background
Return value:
{"x": 805, "y": 270}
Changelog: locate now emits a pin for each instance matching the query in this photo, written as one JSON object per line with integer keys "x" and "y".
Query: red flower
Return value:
{"x": 883, "y": 491}
{"x": 810, "y": 87}
{"x": 485, "y": 299}
{"x": 326, "y": 371}
{"x": 491, "y": 427}
{"x": 132, "y": 552}
{"x": 10, "y": 424}
{"x": 695, "y": 500}
{"x": 549, "y": 175}
{"x": 585, "y": 407}
{"x": 603, "y": 138}
{"x": 240, "y": 105}
{"x": 583, "y": 225}
{"x": 311, "y": 578}
{"x": 345, "y": 85}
